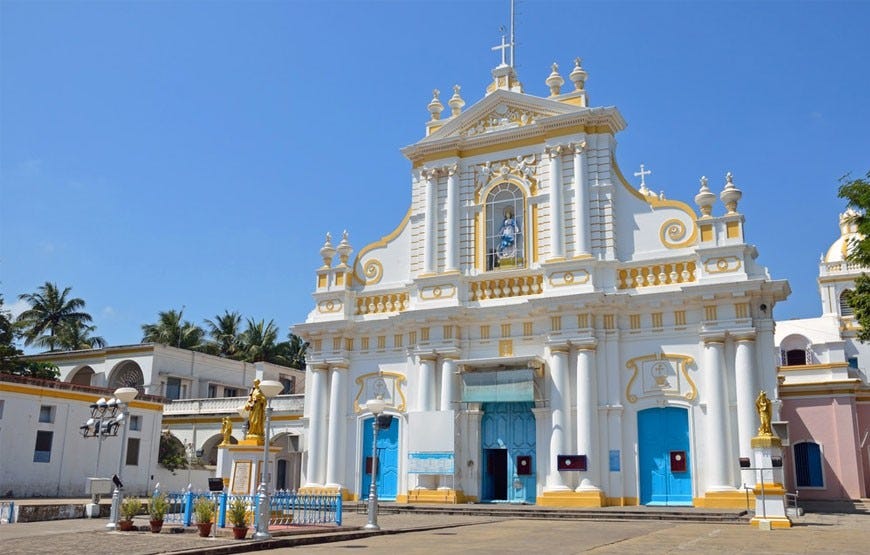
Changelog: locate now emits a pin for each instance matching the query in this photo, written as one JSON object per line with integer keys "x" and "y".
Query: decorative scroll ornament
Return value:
{"x": 660, "y": 375}
{"x": 502, "y": 117}
{"x": 674, "y": 234}
{"x": 523, "y": 167}
{"x": 373, "y": 271}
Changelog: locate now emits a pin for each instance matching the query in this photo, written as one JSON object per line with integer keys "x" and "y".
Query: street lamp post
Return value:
{"x": 124, "y": 395}
{"x": 269, "y": 388}
{"x": 376, "y": 406}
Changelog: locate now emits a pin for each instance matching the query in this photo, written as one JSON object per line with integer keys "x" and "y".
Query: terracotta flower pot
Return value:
{"x": 239, "y": 532}
{"x": 204, "y": 529}
{"x": 125, "y": 525}
{"x": 156, "y": 526}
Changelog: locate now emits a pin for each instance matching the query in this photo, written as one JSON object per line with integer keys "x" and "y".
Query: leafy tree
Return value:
{"x": 296, "y": 351}
{"x": 74, "y": 337}
{"x": 857, "y": 193}
{"x": 171, "y": 330}
{"x": 50, "y": 311}
{"x": 225, "y": 334}
{"x": 171, "y": 452}
{"x": 9, "y": 353}
{"x": 260, "y": 343}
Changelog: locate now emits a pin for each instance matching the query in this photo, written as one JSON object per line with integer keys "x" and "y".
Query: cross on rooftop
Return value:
{"x": 642, "y": 174}
{"x": 503, "y": 47}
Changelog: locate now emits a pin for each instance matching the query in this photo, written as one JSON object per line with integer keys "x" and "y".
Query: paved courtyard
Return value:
{"x": 411, "y": 534}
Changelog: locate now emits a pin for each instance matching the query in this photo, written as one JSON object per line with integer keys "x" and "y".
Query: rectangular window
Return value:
{"x": 46, "y": 413}
{"x": 679, "y": 317}
{"x": 505, "y": 330}
{"x": 527, "y": 329}
{"x": 364, "y": 343}
{"x": 135, "y": 423}
{"x": 336, "y": 343}
{"x": 132, "y": 451}
{"x": 1, "y": 408}
{"x": 397, "y": 340}
{"x": 348, "y": 344}
{"x": 448, "y": 332}
{"x": 710, "y": 312}
{"x": 42, "y": 451}
{"x": 556, "y": 323}
{"x": 173, "y": 388}
{"x": 212, "y": 391}
{"x": 634, "y": 321}
{"x": 412, "y": 338}
{"x": 289, "y": 383}
{"x": 382, "y": 342}
{"x": 424, "y": 334}
{"x": 583, "y": 321}
{"x": 231, "y": 392}
{"x": 608, "y": 322}
{"x": 657, "y": 319}
{"x": 853, "y": 363}
{"x": 484, "y": 332}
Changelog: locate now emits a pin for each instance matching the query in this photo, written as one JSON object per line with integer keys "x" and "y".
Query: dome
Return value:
{"x": 848, "y": 232}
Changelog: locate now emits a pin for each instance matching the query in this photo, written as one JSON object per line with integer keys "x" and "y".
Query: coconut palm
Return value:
{"x": 50, "y": 310}
{"x": 74, "y": 337}
{"x": 171, "y": 330}
{"x": 296, "y": 351}
{"x": 225, "y": 333}
{"x": 259, "y": 343}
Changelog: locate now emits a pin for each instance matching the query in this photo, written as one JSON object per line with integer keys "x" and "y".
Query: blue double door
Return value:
{"x": 387, "y": 467}
{"x": 664, "y": 458}
{"x": 508, "y": 453}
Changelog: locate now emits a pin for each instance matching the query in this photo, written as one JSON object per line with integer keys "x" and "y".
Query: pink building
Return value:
{"x": 824, "y": 392}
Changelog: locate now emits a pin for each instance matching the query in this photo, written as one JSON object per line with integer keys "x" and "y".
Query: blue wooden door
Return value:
{"x": 508, "y": 449}
{"x": 664, "y": 459}
{"x": 388, "y": 460}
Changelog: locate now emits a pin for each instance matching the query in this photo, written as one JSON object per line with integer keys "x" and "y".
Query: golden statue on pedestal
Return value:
{"x": 226, "y": 430}
{"x": 762, "y": 405}
{"x": 256, "y": 407}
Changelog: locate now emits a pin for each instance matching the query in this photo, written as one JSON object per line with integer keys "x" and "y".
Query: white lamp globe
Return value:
{"x": 376, "y": 406}
{"x": 126, "y": 394}
{"x": 271, "y": 388}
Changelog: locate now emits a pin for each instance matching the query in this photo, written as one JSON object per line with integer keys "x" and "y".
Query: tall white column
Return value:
{"x": 746, "y": 388}
{"x": 448, "y": 383}
{"x": 317, "y": 426}
{"x": 426, "y": 387}
{"x": 557, "y": 226}
{"x": 587, "y": 412}
{"x": 716, "y": 465}
{"x": 767, "y": 360}
{"x": 430, "y": 249}
{"x": 452, "y": 246}
{"x": 560, "y": 407}
{"x": 582, "y": 239}
{"x": 335, "y": 448}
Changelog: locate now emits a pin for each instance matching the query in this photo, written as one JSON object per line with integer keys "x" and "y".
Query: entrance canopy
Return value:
{"x": 499, "y": 380}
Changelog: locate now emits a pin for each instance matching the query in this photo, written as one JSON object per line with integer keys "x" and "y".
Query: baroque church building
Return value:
{"x": 540, "y": 330}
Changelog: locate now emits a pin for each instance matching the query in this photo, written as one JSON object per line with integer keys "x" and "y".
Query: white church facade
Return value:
{"x": 540, "y": 330}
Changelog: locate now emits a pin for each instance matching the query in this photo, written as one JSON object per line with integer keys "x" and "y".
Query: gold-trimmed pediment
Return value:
{"x": 660, "y": 375}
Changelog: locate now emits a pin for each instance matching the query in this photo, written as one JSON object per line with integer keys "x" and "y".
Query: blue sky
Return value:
{"x": 155, "y": 155}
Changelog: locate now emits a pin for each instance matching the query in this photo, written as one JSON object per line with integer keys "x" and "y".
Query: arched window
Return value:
{"x": 127, "y": 374}
{"x": 845, "y": 307}
{"x": 795, "y": 357}
{"x": 505, "y": 237}
{"x": 808, "y": 465}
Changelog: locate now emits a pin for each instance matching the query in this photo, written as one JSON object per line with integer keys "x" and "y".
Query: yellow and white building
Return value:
{"x": 541, "y": 330}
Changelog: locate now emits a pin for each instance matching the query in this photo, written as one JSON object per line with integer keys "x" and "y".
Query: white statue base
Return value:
{"x": 241, "y": 467}
{"x": 770, "y": 505}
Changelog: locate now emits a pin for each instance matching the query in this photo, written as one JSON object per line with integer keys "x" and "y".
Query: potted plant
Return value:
{"x": 130, "y": 507}
{"x": 157, "y": 507}
{"x": 238, "y": 515}
{"x": 203, "y": 509}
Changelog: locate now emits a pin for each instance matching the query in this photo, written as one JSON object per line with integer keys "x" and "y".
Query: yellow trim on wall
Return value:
{"x": 89, "y": 398}
{"x": 382, "y": 242}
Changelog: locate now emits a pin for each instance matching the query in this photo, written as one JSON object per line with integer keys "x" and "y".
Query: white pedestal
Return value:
{"x": 241, "y": 467}
{"x": 770, "y": 505}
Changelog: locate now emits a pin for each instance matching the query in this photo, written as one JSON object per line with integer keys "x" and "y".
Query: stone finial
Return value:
{"x": 435, "y": 107}
{"x": 555, "y": 81}
{"x": 456, "y": 103}
{"x": 730, "y": 194}
{"x": 705, "y": 199}
{"x": 578, "y": 75}
{"x": 327, "y": 251}
{"x": 848, "y": 223}
{"x": 344, "y": 249}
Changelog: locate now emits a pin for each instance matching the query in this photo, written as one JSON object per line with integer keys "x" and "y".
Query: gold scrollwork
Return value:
{"x": 561, "y": 279}
{"x": 722, "y": 265}
{"x": 682, "y": 362}
{"x": 446, "y": 291}
{"x": 373, "y": 271}
{"x": 673, "y": 234}
{"x": 330, "y": 306}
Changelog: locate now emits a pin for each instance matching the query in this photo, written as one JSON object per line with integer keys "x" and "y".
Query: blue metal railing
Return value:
{"x": 7, "y": 512}
{"x": 287, "y": 508}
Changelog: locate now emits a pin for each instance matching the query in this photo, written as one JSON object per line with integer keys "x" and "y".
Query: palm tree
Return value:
{"x": 296, "y": 351}
{"x": 78, "y": 337}
{"x": 225, "y": 334}
{"x": 259, "y": 343}
{"x": 171, "y": 330}
{"x": 50, "y": 310}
